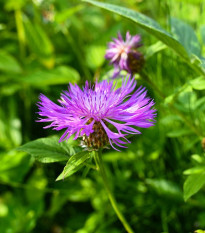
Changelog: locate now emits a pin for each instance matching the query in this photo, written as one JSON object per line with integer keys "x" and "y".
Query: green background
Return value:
{"x": 158, "y": 181}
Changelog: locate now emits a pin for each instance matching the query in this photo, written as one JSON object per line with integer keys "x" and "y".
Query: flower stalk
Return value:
{"x": 100, "y": 167}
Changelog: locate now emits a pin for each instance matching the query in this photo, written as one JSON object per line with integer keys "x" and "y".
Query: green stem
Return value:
{"x": 20, "y": 32}
{"x": 99, "y": 163}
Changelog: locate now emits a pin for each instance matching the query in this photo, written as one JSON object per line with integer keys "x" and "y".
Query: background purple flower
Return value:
{"x": 124, "y": 55}
{"x": 99, "y": 112}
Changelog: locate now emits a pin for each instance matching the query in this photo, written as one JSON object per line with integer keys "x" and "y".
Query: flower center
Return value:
{"x": 122, "y": 50}
{"x": 135, "y": 61}
{"x": 98, "y": 138}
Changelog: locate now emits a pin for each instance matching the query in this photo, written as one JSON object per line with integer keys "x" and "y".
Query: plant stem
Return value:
{"x": 100, "y": 166}
{"x": 20, "y": 32}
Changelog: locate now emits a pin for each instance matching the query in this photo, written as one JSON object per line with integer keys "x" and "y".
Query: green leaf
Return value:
{"x": 165, "y": 188}
{"x": 74, "y": 164}
{"x": 48, "y": 150}
{"x": 14, "y": 4}
{"x": 59, "y": 75}
{"x": 202, "y": 31}
{"x": 186, "y": 36}
{"x": 197, "y": 158}
{"x": 193, "y": 184}
{"x": 147, "y": 24}
{"x": 9, "y": 63}
{"x": 194, "y": 170}
{"x": 179, "y": 133}
{"x": 151, "y": 50}
{"x": 62, "y": 16}
{"x": 198, "y": 83}
{"x": 95, "y": 56}
{"x": 37, "y": 39}
{"x": 39, "y": 42}
{"x": 12, "y": 163}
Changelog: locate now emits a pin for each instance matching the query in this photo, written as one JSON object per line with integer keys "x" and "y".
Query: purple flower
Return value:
{"x": 100, "y": 114}
{"x": 124, "y": 55}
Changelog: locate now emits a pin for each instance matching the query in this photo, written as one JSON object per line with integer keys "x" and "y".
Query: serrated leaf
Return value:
{"x": 74, "y": 164}
{"x": 48, "y": 150}
{"x": 193, "y": 184}
{"x": 8, "y": 63}
{"x": 147, "y": 24}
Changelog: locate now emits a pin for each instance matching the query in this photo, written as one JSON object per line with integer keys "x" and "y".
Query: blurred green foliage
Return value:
{"x": 47, "y": 44}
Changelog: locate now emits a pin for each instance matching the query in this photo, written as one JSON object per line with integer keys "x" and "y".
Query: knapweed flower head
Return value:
{"x": 124, "y": 55}
{"x": 99, "y": 114}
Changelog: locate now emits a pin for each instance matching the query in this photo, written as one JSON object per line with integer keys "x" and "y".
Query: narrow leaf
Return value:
{"x": 147, "y": 24}
{"x": 74, "y": 164}
{"x": 193, "y": 184}
{"x": 39, "y": 43}
{"x": 202, "y": 31}
{"x": 194, "y": 170}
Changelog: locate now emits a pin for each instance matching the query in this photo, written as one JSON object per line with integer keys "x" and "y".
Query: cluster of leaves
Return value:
{"x": 45, "y": 45}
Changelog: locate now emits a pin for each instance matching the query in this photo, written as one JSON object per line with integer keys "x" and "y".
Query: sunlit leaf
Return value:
{"x": 8, "y": 63}
{"x": 14, "y": 4}
{"x": 194, "y": 170}
{"x": 197, "y": 158}
{"x": 147, "y": 24}
{"x": 95, "y": 56}
{"x": 198, "y": 83}
{"x": 74, "y": 164}
{"x": 193, "y": 184}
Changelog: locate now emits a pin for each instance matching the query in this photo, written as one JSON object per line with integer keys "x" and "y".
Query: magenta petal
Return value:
{"x": 79, "y": 109}
{"x": 124, "y": 54}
